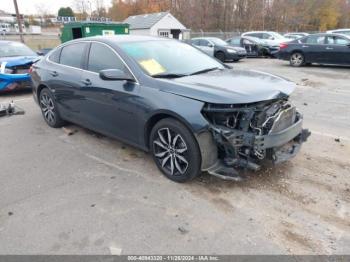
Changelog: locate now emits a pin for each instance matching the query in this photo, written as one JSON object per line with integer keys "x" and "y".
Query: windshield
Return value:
{"x": 168, "y": 57}
{"x": 15, "y": 49}
{"x": 217, "y": 41}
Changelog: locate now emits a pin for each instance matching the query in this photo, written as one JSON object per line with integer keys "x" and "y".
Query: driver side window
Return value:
{"x": 102, "y": 57}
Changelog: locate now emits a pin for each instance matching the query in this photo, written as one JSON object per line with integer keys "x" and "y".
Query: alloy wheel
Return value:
{"x": 297, "y": 59}
{"x": 48, "y": 108}
{"x": 170, "y": 151}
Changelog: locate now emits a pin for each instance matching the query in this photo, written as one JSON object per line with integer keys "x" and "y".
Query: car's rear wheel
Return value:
{"x": 175, "y": 150}
{"x": 49, "y": 109}
{"x": 220, "y": 56}
{"x": 297, "y": 59}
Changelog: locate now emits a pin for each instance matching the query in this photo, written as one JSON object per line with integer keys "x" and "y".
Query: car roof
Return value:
{"x": 121, "y": 39}
{"x": 337, "y": 30}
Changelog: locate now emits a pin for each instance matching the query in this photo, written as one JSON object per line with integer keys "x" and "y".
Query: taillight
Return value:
{"x": 283, "y": 46}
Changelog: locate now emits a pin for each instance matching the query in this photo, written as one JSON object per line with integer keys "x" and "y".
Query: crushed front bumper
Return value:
{"x": 10, "y": 82}
{"x": 279, "y": 147}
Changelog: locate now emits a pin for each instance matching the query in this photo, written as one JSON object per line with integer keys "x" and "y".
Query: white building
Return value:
{"x": 161, "y": 24}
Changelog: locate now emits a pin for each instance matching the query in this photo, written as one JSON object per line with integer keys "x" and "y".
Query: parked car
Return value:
{"x": 15, "y": 61}
{"x": 190, "y": 111}
{"x": 293, "y": 36}
{"x": 340, "y": 31}
{"x": 219, "y": 48}
{"x": 270, "y": 39}
{"x": 254, "y": 46}
{"x": 317, "y": 48}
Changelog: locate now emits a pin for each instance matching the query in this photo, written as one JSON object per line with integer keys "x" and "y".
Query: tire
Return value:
{"x": 49, "y": 109}
{"x": 221, "y": 56}
{"x": 179, "y": 160}
{"x": 297, "y": 59}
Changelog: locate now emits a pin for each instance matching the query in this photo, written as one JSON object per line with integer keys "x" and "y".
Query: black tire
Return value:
{"x": 297, "y": 59}
{"x": 180, "y": 159}
{"x": 221, "y": 56}
{"x": 49, "y": 109}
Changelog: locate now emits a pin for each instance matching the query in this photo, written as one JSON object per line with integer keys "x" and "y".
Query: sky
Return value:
{"x": 34, "y": 6}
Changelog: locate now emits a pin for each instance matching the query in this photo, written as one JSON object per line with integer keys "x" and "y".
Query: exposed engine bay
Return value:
{"x": 248, "y": 134}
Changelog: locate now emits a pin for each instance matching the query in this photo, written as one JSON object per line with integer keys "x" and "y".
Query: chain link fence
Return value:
{"x": 219, "y": 34}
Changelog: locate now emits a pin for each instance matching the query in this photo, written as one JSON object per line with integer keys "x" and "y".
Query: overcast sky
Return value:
{"x": 33, "y": 6}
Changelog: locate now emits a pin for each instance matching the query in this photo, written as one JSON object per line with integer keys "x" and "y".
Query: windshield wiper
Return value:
{"x": 168, "y": 75}
{"x": 205, "y": 71}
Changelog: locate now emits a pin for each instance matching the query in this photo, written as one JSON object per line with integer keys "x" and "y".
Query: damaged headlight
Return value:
{"x": 8, "y": 71}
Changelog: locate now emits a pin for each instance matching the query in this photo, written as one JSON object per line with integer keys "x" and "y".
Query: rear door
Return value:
{"x": 313, "y": 48}
{"x": 337, "y": 50}
{"x": 65, "y": 69}
{"x": 109, "y": 106}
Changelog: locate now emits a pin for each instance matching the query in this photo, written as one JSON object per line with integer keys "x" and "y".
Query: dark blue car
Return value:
{"x": 15, "y": 62}
{"x": 190, "y": 111}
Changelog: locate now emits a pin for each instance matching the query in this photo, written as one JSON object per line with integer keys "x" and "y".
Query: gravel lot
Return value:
{"x": 88, "y": 194}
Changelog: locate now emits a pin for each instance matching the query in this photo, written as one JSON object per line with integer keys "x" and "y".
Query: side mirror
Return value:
{"x": 348, "y": 45}
{"x": 210, "y": 45}
{"x": 115, "y": 74}
{"x": 39, "y": 53}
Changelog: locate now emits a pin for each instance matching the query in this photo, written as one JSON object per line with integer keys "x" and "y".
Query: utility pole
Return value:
{"x": 19, "y": 22}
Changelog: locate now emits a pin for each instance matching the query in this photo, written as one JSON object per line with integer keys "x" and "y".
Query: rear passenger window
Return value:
{"x": 317, "y": 40}
{"x": 102, "y": 57}
{"x": 257, "y": 35}
{"x": 55, "y": 56}
{"x": 71, "y": 55}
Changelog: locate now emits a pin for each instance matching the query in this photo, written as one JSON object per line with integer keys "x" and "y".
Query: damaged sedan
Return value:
{"x": 191, "y": 112}
{"x": 15, "y": 62}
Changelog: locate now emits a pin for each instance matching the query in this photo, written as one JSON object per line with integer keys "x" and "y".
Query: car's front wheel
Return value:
{"x": 297, "y": 59}
{"x": 49, "y": 109}
{"x": 175, "y": 150}
{"x": 221, "y": 56}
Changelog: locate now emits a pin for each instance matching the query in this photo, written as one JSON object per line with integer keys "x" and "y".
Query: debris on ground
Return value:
{"x": 337, "y": 140}
{"x": 182, "y": 230}
{"x": 10, "y": 109}
{"x": 69, "y": 131}
{"x": 10, "y": 213}
{"x": 305, "y": 104}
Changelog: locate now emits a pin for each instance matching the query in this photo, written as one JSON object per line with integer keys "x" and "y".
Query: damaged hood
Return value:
{"x": 18, "y": 60}
{"x": 230, "y": 86}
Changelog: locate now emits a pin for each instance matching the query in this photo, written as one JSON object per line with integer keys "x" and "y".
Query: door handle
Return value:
{"x": 329, "y": 48}
{"x": 86, "y": 82}
{"x": 54, "y": 73}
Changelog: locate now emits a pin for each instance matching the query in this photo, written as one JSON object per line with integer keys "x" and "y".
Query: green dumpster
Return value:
{"x": 76, "y": 30}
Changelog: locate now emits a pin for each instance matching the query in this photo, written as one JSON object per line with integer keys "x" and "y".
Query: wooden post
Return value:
{"x": 19, "y": 22}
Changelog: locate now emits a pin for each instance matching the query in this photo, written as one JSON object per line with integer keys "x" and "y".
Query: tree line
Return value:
{"x": 244, "y": 15}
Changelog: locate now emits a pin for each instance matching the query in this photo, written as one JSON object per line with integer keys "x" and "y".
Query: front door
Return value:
{"x": 337, "y": 50}
{"x": 110, "y": 106}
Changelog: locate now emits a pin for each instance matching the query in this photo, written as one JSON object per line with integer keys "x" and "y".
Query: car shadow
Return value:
{"x": 15, "y": 92}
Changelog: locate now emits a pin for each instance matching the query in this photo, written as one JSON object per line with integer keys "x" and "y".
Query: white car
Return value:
{"x": 270, "y": 38}
{"x": 345, "y": 31}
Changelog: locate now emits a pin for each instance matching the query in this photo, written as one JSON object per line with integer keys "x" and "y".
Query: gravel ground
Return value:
{"x": 88, "y": 194}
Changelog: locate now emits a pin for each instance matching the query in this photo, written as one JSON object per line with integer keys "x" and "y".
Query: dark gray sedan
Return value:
{"x": 219, "y": 49}
{"x": 190, "y": 111}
